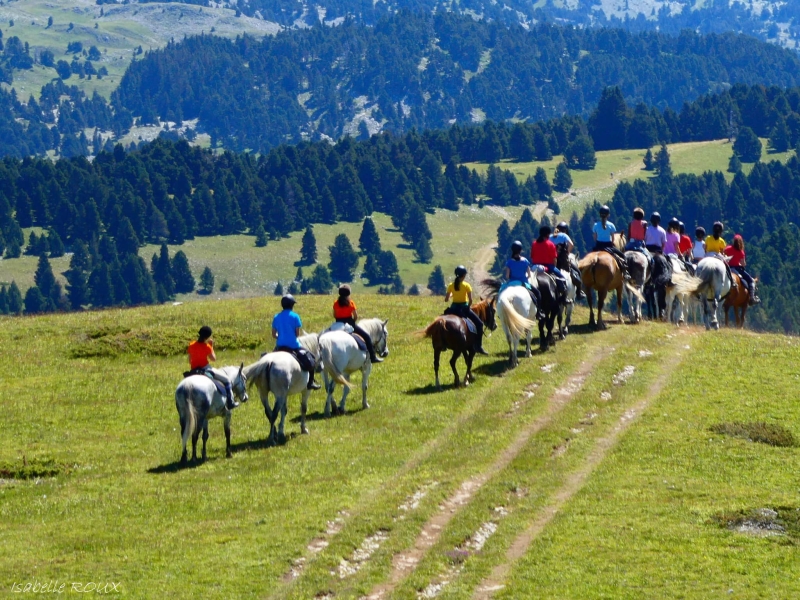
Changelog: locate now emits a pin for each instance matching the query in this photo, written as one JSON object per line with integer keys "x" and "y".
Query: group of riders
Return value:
{"x": 650, "y": 238}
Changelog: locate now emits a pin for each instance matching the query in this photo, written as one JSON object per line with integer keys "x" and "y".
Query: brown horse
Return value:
{"x": 601, "y": 271}
{"x": 451, "y": 332}
{"x": 738, "y": 300}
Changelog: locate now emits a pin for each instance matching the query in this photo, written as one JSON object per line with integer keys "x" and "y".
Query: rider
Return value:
{"x": 461, "y": 293}
{"x": 603, "y": 232}
{"x": 685, "y": 245}
{"x": 544, "y": 254}
{"x": 636, "y": 231}
{"x": 519, "y": 269}
{"x": 672, "y": 245}
{"x": 655, "y": 238}
{"x": 200, "y": 352}
{"x": 561, "y": 236}
{"x": 715, "y": 246}
{"x": 699, "y": 249}
{"x": 344, "y": 311}
{"x": 737, "y": 262}
{"x": 286, "y": 327}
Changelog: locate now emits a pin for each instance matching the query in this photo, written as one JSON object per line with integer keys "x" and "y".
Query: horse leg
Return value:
{"x": 365, "y": 371}
{"x": 304, "y": 410}
{"x": 436, "y": 356}
{"x": 590, "y": 302}
{"x": 568, "y": 320}
{"x": 330, "y": 387}
{"x": 184, "y": 435}
{"x": 468, "y": 358}
{"x": 715, "y": 319}
{"x": 453, "y": 359}
{"x": 205, "y": 438}
{"x": 284, "y": 410}
{"x": 542, "y": 337}
{"x": 601, "y": 298}
{"x": 551, "y": 323}
{"x": 619, "y": 305}
{"x": 270, "y": 418}
{"x": 560, "y": 316}
{"x": 345, "y": 392}
{"x": 226, "y": 423}
{"x": 528, "y": 342}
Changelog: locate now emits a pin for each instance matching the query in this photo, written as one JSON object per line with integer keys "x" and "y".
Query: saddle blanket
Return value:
{"x": 207, "y": 372}
{"x": 470, "y": 325}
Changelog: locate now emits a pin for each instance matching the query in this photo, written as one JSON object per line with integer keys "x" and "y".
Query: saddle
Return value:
{"x": 468, "y": 322}
{"x": 207, "y": 372}
{"x": 362, "y": 345}
{"x": 620, "y": 262}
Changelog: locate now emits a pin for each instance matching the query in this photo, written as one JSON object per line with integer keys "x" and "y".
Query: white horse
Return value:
{"x": 566, "y": 261}
{"x": 679, "y": 288}
{"x": 198, "y": 400}
{"x": 340, "y": 356}
{"x": 280, "y": 373}
{"x": 639, "y": 269}
{"x": 513, "y": 303}
{"x": 712, "y": 284}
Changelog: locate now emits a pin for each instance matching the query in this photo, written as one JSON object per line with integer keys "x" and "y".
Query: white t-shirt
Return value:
{"x": 699, "y": 250}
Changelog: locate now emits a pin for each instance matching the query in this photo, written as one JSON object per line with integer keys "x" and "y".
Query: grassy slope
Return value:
{"x": 638, "y": 528}
{"x": 118, "y": 32}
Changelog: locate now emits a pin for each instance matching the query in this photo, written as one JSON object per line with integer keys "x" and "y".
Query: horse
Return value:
{"x": 450, "y": 332}
{"x": 601, "y": 271}
{"x": 639, "y": 269}
{"x": 512, "y": 304}
{"x": 552, "y": 305}
{"x": 677, "y": 290}
{"x": 198, "y": 400}
{"x": 738, "y": 300}
{"x": 565, "y": 262}
{"x": 340, "y": 356}
{"x": 281, "y": 374}
{"x": 712, "y": 284}
{"x": 656, "y": 290}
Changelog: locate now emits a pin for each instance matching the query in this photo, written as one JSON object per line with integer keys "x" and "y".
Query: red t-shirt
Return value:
{"x": 737, "y": 256}
{"x": 637, "y": 229}
{"x": 343, "y": 312}
{"x": 544, "y": 253}
{"x": 685, "y": 244}
{"x": 198, "y": 354}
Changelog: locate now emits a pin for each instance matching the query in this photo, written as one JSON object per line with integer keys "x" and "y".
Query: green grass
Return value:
{"x": 118, "y": 32}
{"x": 91, "y": 491}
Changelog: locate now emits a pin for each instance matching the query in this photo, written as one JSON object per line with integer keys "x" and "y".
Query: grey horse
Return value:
{"x": 198, "y": 400}
{"x": 280, "y": 373}
{"x": 712, "y": 285}
{"x": 639, "y": 269}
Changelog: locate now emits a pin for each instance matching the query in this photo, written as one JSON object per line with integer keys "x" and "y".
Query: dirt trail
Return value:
{"x": 483, "y": 260}
{"x": 404, "y": 563}
{"x": 574, "y": 483}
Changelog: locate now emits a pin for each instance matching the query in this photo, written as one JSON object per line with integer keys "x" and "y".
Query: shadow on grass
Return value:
{"x": 427, "y": 389}
{"x": 174, "y": 467}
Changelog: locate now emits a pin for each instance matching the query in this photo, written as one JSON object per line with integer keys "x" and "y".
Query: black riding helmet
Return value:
{"x": 563, "y": 227}
{"x": 700, "y": 231}
{"x": 288, "y": 301}
{"x": 674, "y": 222}
{"x": 604, "y": 210}
{"x": 461, "y": 271}
{"x": 718, "y": 227}
{"x": 681, "y": 227}
{"x": 516, "y": 247}
{"x": 204, "y": 333}
{"x": 545, "y": 231}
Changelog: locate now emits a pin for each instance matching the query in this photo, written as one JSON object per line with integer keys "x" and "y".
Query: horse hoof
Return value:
{"x": 304, "y": 430}
{"x": 364, "y": 406}
{"x": 228, "y": 454}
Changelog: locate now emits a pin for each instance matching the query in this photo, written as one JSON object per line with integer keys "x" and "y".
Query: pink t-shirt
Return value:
{"x": 673, "y": 243}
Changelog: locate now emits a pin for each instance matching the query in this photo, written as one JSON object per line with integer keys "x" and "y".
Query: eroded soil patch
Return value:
{"x": 31, "y": 469}
{"x": 761, "y": 432}
{"x": 762, "y": 522}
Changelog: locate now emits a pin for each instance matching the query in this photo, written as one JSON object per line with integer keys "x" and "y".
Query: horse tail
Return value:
{"x": 589, "y": 262}
{"x": 258, "y": 374}
{"x": 326, "y": 356}
{"x": 517, "y": 324}
{"x": 634, "y": 291}
{"x": 683, "y": 283}
{"x": 186, "y": 410}
{"x": 432, "y": 329}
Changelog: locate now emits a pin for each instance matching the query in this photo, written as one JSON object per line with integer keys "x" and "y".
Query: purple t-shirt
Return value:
{"x": 656, "y": 236}
{"x": 673, "y": 243}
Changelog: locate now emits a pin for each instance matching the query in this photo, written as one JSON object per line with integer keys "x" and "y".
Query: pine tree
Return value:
{"x": 13, "y": 249}
{"x": 77, "y": 288}
{"x": 35, "y": 301}
{"x": 734, "y": 164}
{"x": 663, "y": 166}
{"x": 293, "y": 289}
{"x": 541, "y": 146}
{"x": 344, "y": 259}
{"x": 747, "y": 146}
{"x": 369, "y": 242}
{"x": 320, "y": 281}
{"x": 450, "y": 196}
{"x": 416, "y": 225}
{"x": 779, "y": 138}
{"x": 422, "y": 250}
{"x": 207, "y": 281}
{"x": 436, "y": 283}
{"x": 298, "y": 277}
{"x": 261, "y": 236}
{"x": 47, "y": 284}
{"x": 648, "y": 161}
{"x": 141, "y": 287}
{"x": 608, "y": 124}
{"x": 55, "y": 244}
{"x": 182, "y": 274}
{"x": 14, "y": 299}
{"x": 413, "y": 290}
{"x": 3, "y": 300}
{"x": 162, "y": 273}
{"x": 308, "y": 250}
{"x": 126, "y": 240}
{"x": 543, "y": 189}
{"x": 580, "y": 154}
{"x": 562, "y": 180}
{"x": 278, "y": 291}
{"x": 101, "y": 288}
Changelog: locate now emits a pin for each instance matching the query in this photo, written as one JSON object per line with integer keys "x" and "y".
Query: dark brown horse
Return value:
{"x": 738, "y": 300}
{"x": 449, "y": 332}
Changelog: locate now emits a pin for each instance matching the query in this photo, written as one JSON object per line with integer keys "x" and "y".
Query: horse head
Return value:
{"x": 240, "y": 384}
{"x": 488, "y": 313}
{"x": 382, "y": 343}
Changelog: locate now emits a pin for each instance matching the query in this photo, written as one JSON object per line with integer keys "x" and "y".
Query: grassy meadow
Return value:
{"x": 91, "y": 489}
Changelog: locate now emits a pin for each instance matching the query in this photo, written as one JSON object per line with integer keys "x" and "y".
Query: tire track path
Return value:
{"x": 405, "y": 563}
{"x": 574, "y": 483}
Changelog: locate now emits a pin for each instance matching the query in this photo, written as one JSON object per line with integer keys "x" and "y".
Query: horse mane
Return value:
{"x": 257, "y": 371}
{"x": 491, "y": 287}
{"x": 374, "y": 327}
{"x": 310, "y": 341}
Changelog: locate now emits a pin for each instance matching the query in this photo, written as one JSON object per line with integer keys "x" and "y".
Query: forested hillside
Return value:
{"x": 427, "y": 72}
{"x": 406, "y": 71}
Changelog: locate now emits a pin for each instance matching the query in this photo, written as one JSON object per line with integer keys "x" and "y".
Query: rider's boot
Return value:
{"x": 374, "y": 358}
{"x": 230, "y": 401}
{"x": 479, "y": 342}
{"x": 312, "y": 385}
{"x": 753, "y": 300}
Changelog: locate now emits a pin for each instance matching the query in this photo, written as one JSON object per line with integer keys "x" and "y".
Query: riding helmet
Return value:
{"x": 681, "y": 227}
{"x": 545, "y": 231}
{"x": 288, "y": 301}
{"x": 204, "y": 333}
{"x": 344, "y": 290}
{"x": 563, "y": 227}
{"x": 516, "y": 247}
{"x": 604, "y": 210}
{"x": 461, "y": 271}
{"x": 674, "y": 222}
{"x": 718, "y": 226}
{"x": 638, "y": 213}
{"x": 700, "y": 231}
{"x": 655, "y": 218}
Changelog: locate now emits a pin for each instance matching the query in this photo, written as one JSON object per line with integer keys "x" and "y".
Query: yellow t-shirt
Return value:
{"x": 713, "y": 245}
{"x": 460, "y": 296}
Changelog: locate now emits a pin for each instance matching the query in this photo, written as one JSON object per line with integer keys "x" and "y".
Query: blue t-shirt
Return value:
{"x": 604, "y": 235}
{"x": 518, "y": 269}
{"x": 560, "y": 238}
{"x": 286, "y": 323}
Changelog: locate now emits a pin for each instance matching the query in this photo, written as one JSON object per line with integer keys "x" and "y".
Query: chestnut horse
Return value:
{"x": 601, "y": 271}
{"x": 738, "y": 300}
{"x": 451, "y": 332}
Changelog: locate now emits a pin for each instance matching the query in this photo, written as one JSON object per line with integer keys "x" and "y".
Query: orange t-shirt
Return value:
{"x": 198, "y": 354}
{"x": 344, "y": 312}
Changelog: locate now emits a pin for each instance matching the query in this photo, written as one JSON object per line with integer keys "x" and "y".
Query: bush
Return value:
{"x": 207, "y": 281}
{"x": 225, "y": 286}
